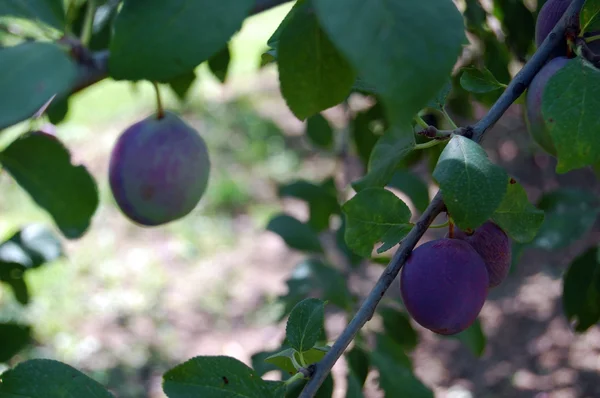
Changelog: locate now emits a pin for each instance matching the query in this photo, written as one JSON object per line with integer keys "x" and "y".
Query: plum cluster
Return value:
{"x": 159, "y": 170}
{"x": 445, "y": 282}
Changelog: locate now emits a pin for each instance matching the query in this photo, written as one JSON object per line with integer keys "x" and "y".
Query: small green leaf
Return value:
{"x": 581, "y": 291}
{"x": 396, "y": 378}
{"x": 305, "y": 324}
{"x": 217, "y": 376}
{"x": 45, "y": 378}
{"x": 219, "y": 64}
{"x": 160, "y": 40}
{"x": 569, "y": 215}
{"x": 386, "y": 156}
{"x": 386, "y": 52}
{"x": 13, "y": 338}
{"x": 409, "y": 183}
{"x": 182, "y": 84}
{"x": 42, "y": 166}
{"x": 372, "y": 215}
{"x": 32, "y": 73}
{"x": 517, "y": 216}
{"x": 479, "y": 81}
{"x": 589, "y": 17}
{"x": 472, "y": 186}
{"x": 314, "y": 76}
{"x": 439, "y": 100}
{"x": 295, "y": 233}
{"x": 358, "y": 363}
{"x": 283, "y": 359}
{"x": 319, "y": 131}
{"x": 473, "y": 338}
{"x": 31, "y": 247}
{"x": 398, "y": 327}
{"x": 322, "y": 201}
{"x": 12, "y": 275}
{"x": 50, "y": 12}
{"x": 570, "y": 104}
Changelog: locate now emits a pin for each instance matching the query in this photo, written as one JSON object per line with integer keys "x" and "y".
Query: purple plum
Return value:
{"x": 535, "y": 122}
{"x": 159, "y": 170}
{"x": 494, "y": 246}
{"x": 547, "y": 18}
{"x": 444, "y": 285}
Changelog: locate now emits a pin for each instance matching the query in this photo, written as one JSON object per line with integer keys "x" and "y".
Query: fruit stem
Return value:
{"x": 88, "y": 23}
{"x": 429, "y": 144}
{"x": 159, "y": 105}
{"x": 446, "y": 224}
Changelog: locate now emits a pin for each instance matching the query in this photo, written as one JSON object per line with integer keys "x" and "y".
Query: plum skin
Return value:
{"x": 547, "y": 18}
{"x": 158, "y": 170}
{"x": 533, "y": 103}
{"x": 494, "y": 247}
{"x": 444, "y": 284}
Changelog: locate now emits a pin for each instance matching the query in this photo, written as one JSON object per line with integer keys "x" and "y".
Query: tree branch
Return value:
{"x": 516, "y": 87}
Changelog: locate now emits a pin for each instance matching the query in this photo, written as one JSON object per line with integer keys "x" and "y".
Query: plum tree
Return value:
{"x": 494, "y": 246}
{"x": 548, "y": 17}
{"x": 444, "y": 284}
{"x": 159, "y": 170}
{"x": 533, "y": 116}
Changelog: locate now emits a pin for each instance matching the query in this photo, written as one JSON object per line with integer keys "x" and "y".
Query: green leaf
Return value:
{"x": 354, "y": 388}
{"x": 569, "y": 215}
{"x": 396, "y": 378}
{"x": 394, "y": 39}
{"x": 439, "y": 100}
{"x": 50, "y": 12}
{"x": 218, "y": 376}
{"x": 273, "y": 41}
{"x": 409, "y": 183}
{"x": 472, "y": 186}
{"x": 479, "y": 81}
{"x": 305, "y": 324}
{"x": 325, "y": 391}
{"x": 473, "y": 338}
{"x": 13, "y": 338}
{"x": 160, "y": 40}
{"x": 31, "y": 247}
{"x": 363, "y": 133}
{"x": 311, "y": 276}
{"x": 352, "y": 258}
{"x": 182, "y": 84}
{"x": 358, "y": 363}
{"x": 321, "y": 200}
{"x": 12, "y": 275}
{"x": 259, "y": 364}
{"x": 517, "y": 216}
{"x": 386, "y": 156}
{"x": 42, "y": 166}
{"x": 313, "y": 75}
{"x": 589, "y": 17}
{"x": 58, "y": 110}
{"x": 219, "y": 64}
{"x": 32, "y": 73}
{"x": 45, "y": 378}
{"x": 319, "y": 131}
{"x": 295, "y": 233}
{"x": 518, "y": 24}
{"x": 581, "y": 291}
{"x": 372, "y": 215}
{"x": 398, "y": 327}
{"x": 570, "y": 103}
{"x": 283, "y": 359}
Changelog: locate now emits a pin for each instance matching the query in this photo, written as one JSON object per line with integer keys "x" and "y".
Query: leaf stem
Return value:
{"x": 449, "y": 119}
{"x": 592, "y": 38}
{"x": 419, "y": 120}
{"x": 444, "y": 225}
{"x": 294, "y": 378}
{"x": 160, "y": 110}
{"x": 88, "y": 23}
{"x": 428, "y": 144}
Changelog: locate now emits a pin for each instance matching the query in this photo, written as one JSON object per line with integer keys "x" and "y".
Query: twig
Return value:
{"x": 366, "y": 311}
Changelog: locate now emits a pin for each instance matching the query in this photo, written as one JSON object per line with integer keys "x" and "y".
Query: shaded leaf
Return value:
{"x": 517, "y": 216}
{"x": 581, "y": 291}
{"x": 31, "y": 247}
{"x": 295, "y": 233}
{"x": 42, "y": 166}
{"x": 319, "y": 131}
{"x": 374, "y": 215}
{"x": 439, "y": 99}
{"x": 322, "y": 201}
{"x": 472, "y": 186}
{"x": 479, "y": 81}
{"x": 305, "y": 323}
{"x": 12, "y": 275}
{"x": 358, "y": 363}
{"x": 354, "y": 388}
{"x": 182, "y": 84}
{"x": 413, "y": 186}
{"x": 362, "y": 131}
{"x": 50, "y": 12}
{"x": 13, "y": 338}
{"x": 397, "y": 326}
{"x": 473, "y": 338}
{"x": 219, "y": 64}
{"x": 589, "y": 17}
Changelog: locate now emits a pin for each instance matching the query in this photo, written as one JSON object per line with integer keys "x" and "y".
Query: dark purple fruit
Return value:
{"x": 535, "y": 122}
{"x": 547, "y": 18}
{"x": 494, "y": 246}
{"x": 158, "y": 170}
{"x": 444, "y": 284}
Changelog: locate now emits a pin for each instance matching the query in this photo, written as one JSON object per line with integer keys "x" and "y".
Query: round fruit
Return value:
{"x": 547, "y": 18}
{"x": 444, "y": 284}
{"x": 535, "y": 122}
{"x": 158, "y": 170}
{"x": 493, "y": 245}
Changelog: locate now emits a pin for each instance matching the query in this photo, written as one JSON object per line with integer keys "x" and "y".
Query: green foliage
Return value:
{"x": 472, "y": 186}
{"x": 295, "y": 233}
{"x": 182, "y": 84}
{"x": 375, "y": 215}
{"x": 53, "y": 379}
{"x": 319, "y": 131}
{"x": 413, "y": 186}
{"x": 474, "y": 338}
{"x": 157, "y": 40}
{"x": 14, "y": 338}
{"x": 321, "y": 199}
{"x": 50, "y": 12}
{"x": 397, "y": 326}
{"x": 219, "y": 64}
{"x": 305, "y": 323}
{"x": 42, "y": 166}
{"x": 479, "y": 81}
{"x": 589, "y": 17}
{"x": 32, "y": 74}
{"x": 581, "y": 291}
